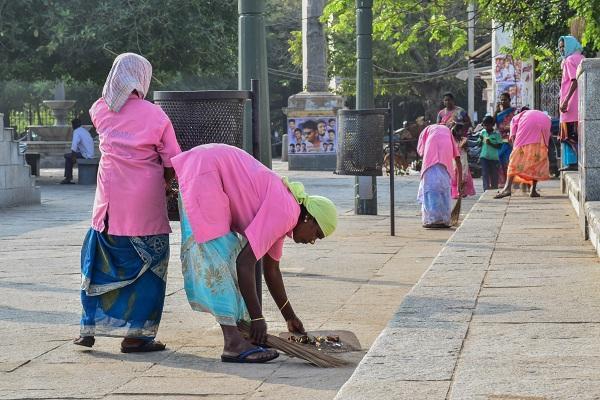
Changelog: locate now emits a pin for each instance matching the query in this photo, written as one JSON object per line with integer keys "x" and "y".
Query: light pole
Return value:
{"x": 252, "y": 64}
{"x": 471, "y": 70}
{"x": 365, "y": 202}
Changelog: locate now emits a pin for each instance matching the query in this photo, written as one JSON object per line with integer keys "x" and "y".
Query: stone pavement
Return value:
{"x": 354, "y": 280}
{"x": 510, "y": 309}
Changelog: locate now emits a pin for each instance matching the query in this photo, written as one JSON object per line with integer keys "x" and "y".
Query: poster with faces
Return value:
{"x": 312, "y": 135}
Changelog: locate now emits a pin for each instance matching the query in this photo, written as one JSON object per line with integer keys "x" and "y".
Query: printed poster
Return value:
{"x": 312, "y": 135}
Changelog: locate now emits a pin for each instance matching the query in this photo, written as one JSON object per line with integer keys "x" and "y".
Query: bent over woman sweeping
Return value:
{"x": 440, "y": 155}
{"x": 235, "y": 211}
{"x": 126, "y": 251}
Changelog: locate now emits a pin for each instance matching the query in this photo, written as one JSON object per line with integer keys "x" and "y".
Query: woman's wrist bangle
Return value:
{"x": 257, "y": 319}
{"x": 284, "y": 304}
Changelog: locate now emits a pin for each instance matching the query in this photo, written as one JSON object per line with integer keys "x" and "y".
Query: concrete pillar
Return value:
{"x": 589, "y": 134}
{"x": 314, "y": 51}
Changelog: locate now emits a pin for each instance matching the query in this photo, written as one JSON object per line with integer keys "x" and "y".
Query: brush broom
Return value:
{"x": 294, "y": 349}
{"x": 456, "y": 212}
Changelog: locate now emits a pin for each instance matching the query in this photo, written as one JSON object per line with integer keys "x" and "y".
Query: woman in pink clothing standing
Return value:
{"x": 235, "y": 211}
{"x": 126, "y": 251}
{"x": 570, "y": 50}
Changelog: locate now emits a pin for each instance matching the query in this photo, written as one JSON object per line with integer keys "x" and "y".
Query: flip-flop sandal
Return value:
{"x": 146, "y": 347}
{"x": 86, "y": 341}
{"x": 502, "y": 195}
{"x": 242, "y": 358}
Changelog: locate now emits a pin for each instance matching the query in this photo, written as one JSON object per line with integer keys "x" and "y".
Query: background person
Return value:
{"x": 125, "y": 253}
{"x": 530, "y": 134}
{"x": 503, "y": 115}
{"x": 440, "y": 155}
{"x": 570, "y": 50}
{"x": 235, "y": 211}
{"x": 82, "y": 146}
{"x": 490, "y": 142}
{"x": 451, "y": 113}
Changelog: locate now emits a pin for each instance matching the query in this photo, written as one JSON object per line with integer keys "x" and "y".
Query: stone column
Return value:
{"x": 314, "y": 52}
{"x": 589, "y": 134}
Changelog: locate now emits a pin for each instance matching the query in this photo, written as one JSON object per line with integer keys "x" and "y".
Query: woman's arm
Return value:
{"x": 276, "y": 287}
{"x": 565, "y": 104}
{"x": 246, "y": 267}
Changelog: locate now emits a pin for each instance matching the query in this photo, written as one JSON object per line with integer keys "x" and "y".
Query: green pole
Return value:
{"x": 365, "y": 202}
{"x": 252, "y": 52}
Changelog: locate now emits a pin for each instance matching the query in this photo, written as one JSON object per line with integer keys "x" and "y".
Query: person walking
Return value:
{"x": 570, "y": 50}
{"x": 235, "y": 211}
{"x": 530, "y": 134}
{"x": 125, "y": 253}
{"x": 82, "y": 146}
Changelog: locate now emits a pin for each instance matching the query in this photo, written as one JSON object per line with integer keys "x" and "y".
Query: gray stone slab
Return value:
{"x": 546, "y": 361}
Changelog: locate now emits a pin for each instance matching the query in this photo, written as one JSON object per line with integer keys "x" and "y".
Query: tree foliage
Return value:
{"x": 78, "y": 39}
{"x": 537, "y": 24}
{"x": 418, "y": 46}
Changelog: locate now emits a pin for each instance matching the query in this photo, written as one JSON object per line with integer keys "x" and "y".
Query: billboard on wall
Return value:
{"x": 312, "y": 135}
{"x": 512, "y": 76}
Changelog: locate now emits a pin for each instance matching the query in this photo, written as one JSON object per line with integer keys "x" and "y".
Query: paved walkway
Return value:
{"x": 510, "y": 309}
{"x": 354, "y": 280}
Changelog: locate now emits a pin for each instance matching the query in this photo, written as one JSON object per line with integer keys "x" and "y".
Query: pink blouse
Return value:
{"x": 569, "y": 74}
{"x": 225, "y": 189}
{"x": 437, "y": 146}
{"x": 136, "y": 144}
{"x": 530, "y": 127}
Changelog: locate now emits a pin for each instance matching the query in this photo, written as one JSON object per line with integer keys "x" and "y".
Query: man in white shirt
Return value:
{"x": 81, "y": 147}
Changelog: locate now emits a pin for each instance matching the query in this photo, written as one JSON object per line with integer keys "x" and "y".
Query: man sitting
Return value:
{"x": 81, "y": 147}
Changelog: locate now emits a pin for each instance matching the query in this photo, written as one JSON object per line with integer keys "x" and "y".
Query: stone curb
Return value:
{"x": 415, "y": 356}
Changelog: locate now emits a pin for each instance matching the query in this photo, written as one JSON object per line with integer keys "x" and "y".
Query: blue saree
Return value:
{"x": 434, "y": 196}
{"x": 123, "y": 284}
{"x": 210, "y": 274}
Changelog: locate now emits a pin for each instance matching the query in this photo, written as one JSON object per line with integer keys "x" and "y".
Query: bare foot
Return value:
{"x": 534, "y": 193}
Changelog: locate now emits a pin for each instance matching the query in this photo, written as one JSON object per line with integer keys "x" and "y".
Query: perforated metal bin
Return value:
{"x": 201, "y": 117}
{"x": 360, "y": 141}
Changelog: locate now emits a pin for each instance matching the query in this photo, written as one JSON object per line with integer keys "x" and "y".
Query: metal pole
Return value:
{"x": 252, "y": 51}
{"x": 365, "y": 186}
{"x": 392, "y": 172}
{"x": 256, "y": 146}
{"x": 471, "y": 70}
{"x": 252, "y": 65}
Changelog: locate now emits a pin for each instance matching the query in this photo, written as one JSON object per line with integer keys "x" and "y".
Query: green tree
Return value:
{"x": 418, "y": 47}
{"x": 78, "y": 39}
{"x": 537, "y": 25}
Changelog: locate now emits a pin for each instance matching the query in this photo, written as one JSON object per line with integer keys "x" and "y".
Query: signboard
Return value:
{"x": 510, "y": 75}
{"x": 312, "y": 135}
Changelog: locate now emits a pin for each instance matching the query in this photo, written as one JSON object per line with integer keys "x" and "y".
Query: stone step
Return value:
{"x": 19, "y": 196}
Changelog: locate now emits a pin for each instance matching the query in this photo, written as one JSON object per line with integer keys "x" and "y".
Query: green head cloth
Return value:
{"x": 321, "y": 208}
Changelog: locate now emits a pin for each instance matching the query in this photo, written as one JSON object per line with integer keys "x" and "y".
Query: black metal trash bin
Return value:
{"x": 201, "y": 117}
{"x": 360, "y": 141}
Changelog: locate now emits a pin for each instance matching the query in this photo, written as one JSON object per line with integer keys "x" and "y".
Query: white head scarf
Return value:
{"x": 129, "y": 72}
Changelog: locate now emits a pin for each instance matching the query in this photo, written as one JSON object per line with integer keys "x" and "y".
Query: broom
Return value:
{"x": 455, "y": 212}
{"x": 293, "y": 349}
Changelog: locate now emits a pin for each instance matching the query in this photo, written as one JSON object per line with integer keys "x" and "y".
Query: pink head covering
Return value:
{"x": 129, "y": 72}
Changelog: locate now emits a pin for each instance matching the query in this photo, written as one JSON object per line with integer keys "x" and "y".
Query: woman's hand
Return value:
{"x": 564, "y": 107}
{"x": 295, "y": 325}
{"x": 258, "y": 331}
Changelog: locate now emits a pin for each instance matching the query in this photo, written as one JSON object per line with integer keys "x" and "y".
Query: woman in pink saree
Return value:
{"x": 439, "y": 152}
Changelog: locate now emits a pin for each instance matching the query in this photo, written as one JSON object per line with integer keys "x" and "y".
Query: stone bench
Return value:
{"x": 33, "y": 159}
{"x": 88, "y": 170}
